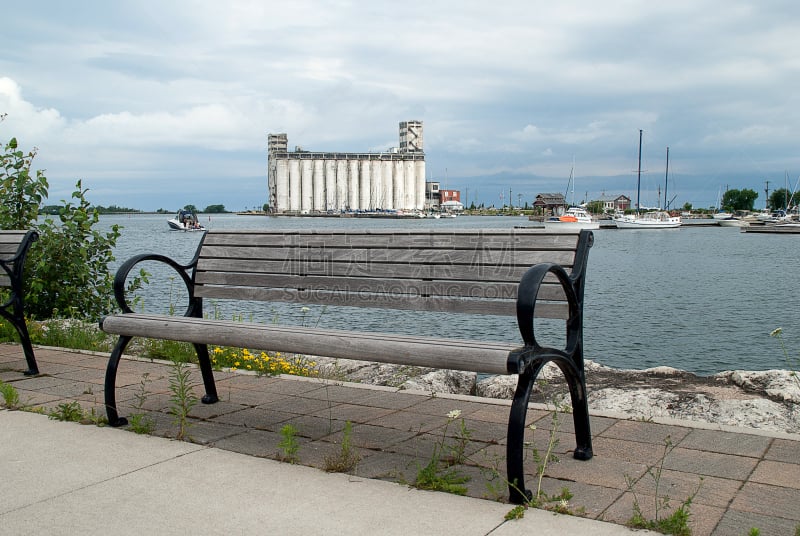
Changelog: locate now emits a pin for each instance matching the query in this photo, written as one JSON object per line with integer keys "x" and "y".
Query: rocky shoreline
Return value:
{"x": 765, "y": 400}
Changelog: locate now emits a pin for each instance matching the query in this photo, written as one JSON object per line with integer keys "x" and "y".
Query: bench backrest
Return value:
{"x": 430, "y": 270}
{"x": 13, "y": 248}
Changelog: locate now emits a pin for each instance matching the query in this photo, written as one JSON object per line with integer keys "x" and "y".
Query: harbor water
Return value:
{"x": 701, "y": 299}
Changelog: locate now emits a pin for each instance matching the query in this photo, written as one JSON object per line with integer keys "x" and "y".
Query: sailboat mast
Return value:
{"x": 666, "y": 183}
{"x": 639, "y": 174}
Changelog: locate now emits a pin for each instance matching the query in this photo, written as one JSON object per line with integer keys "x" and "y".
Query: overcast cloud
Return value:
{"x": 161, "y": 104}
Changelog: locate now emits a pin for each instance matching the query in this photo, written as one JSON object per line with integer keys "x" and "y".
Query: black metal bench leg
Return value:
{"x": 515, "y": 450}
{"x": 17, "y": 319}
{"x": 110, "y": 385}
{"x": 580, "y": 414}
{"x": 208, "y": 374}
{"x": 27, "y": 347}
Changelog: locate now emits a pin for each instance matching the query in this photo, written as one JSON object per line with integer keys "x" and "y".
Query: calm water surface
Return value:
{"x": 702, "y": 299}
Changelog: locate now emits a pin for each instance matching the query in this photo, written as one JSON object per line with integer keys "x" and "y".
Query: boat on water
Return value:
{"x": 185, "y": 220}
{"x": 732, "y": 222}
{"x": 652, "y": 219}
{"x": 574, "y": 219}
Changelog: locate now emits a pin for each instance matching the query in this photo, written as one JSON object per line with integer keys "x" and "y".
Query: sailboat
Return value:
{"x": 575, "y": 218}
{"x": 654, "y": 219}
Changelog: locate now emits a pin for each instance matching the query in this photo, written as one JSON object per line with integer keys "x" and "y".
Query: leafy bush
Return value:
{"x": 67, "y": 271}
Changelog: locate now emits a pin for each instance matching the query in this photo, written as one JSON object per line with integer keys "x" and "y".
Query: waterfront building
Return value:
{"x": 311, "y": 182}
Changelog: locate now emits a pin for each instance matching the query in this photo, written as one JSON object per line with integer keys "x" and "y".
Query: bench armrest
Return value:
{"x": 186, "y": 273}
{"x": 526, "y": 304}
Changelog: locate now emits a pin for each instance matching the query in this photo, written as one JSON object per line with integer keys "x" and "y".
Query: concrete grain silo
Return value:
{"x": 310, "y": 182}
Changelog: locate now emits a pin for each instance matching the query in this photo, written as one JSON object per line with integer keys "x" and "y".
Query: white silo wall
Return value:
{"x": 294, "y": 185}
{"x": 354, "y": 196}
{"x": 399, "y": 184}
{"x": 330, "y": 184}
{"x": 365, "y": 185}
{"x": 420, "y": 189}
{"x": 341, "y": 184}
{"x": 388, "y": 184}
{"x": 411, "y": 185}
{"x": 306, "y": 186}
{"x": 319, "y": 185}
{"x": 282, "y": 185}
{"x": 376, "y": 185}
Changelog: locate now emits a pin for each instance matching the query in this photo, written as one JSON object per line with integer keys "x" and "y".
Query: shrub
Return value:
{"x": 67, "y": 271}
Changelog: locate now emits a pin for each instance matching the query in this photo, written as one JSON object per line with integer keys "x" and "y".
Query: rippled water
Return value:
{"x": 702, "y": 299}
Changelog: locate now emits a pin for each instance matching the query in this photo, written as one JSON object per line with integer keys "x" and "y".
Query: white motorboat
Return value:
{"x": 574, "y": 219}
{"x": 185, "y": 220}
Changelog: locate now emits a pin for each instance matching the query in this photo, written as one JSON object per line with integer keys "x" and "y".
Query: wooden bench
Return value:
{"x": 14, "y": 247}
{"x": 518, "y": 272}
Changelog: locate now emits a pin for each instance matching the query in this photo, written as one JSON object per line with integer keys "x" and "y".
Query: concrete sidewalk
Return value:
{"x": 66, "y": 478}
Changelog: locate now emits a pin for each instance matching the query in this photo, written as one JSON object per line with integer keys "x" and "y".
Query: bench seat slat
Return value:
{"x": 475, "y": 356}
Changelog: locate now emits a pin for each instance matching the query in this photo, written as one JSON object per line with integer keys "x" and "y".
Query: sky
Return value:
{"x": 162, "y": 104}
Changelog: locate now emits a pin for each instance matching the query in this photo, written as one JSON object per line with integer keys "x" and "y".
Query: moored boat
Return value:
{"x": 574, "y": 219}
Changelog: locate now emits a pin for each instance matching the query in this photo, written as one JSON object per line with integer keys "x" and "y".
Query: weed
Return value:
{"x": 183, "y": 398}
{"x": 791, "y": 364}
{"x": 10, "y": 395}
{"x": 518, "y": 512}
{"x": 539, "y": 499}
{"x": 754, "y": 532}
{"x": 289, "y": 444}
{"x": 347, "y": 458}
{"x": 166, "y": 349}
{"x": 439, "y": 474}
{"x": 69, "y": 333}
{"x": 140, "y": 422}
{"x": 677, "y": 522}
{"x": 67, "y": 411}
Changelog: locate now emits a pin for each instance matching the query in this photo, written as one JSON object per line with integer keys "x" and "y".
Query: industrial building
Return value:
{"x": 309, "y": 182}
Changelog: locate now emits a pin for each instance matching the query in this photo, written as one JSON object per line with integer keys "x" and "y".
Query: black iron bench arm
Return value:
{"x": 529, "y": 360}
{"x": 526, "y": 304}
{"x": 186, "y": 272}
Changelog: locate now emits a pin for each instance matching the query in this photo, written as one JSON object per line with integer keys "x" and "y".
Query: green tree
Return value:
{"x": 687, "y": 207}
{"x": 733, "y": 200}
{"x": 191, "y": 208}
{"x": 215, "y": 209}
{"x": 595, "y": 207}
{"x": 781, "y": 199}
{"x": 67, "y": 269}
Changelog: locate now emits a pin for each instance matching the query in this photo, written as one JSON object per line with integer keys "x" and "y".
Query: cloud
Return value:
{"x": 124, "y": 91}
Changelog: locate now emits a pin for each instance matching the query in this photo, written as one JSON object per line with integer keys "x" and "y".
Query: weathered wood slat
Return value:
{"x": 378, "y": 270}
{"x": 5, "y": 281}
{"x": 475, "y": 356}
{"x": 519, "y": 239}
{"x": 413, "y": 287}
{"x": 362, "y": 256}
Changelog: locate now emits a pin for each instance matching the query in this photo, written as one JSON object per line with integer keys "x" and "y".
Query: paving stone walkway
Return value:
{"x": 742, "y": 478}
